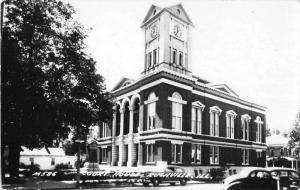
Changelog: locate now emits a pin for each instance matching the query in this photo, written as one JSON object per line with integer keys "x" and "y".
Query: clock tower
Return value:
{"x": 167, "y": 39}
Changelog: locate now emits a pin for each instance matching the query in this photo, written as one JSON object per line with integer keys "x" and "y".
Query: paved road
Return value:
{"x": 195, "y": 186}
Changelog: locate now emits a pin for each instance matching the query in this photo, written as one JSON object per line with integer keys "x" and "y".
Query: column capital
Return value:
{"x": 131, "y": 108}
{"x": 122, "y": 110}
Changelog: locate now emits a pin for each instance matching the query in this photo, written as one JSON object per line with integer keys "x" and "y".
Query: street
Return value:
{"x": 190, "y": 186}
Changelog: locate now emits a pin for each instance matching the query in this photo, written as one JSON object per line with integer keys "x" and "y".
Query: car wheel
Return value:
{"x": 172, "y": 183}
{"x": 236, "y": 187}
{"x": 146, "y": 184}
{"x": 155, "y": 182}
{"x": 183, "y": 182}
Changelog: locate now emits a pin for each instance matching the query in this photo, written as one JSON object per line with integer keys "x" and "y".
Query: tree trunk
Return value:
{"x": 14, "y": 160}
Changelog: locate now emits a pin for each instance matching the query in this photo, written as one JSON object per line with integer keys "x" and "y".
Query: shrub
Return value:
{"x": 62, "y": 166}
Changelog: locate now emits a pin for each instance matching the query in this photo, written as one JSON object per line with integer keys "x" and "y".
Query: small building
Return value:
{"x": 279, "y": 153}
{"x": 277, "y": 146}
{"x": 46, "y": 160}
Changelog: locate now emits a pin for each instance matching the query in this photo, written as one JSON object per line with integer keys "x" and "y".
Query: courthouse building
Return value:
{"x": 171, "y": 117}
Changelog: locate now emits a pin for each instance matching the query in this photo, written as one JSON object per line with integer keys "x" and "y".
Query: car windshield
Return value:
{"x": 294, "y": 174}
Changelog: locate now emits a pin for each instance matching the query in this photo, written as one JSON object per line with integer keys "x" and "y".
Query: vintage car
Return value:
{"x": 251, "y": 178}
{"x": 288, "y": 178}
{"x": 169, "y": 174}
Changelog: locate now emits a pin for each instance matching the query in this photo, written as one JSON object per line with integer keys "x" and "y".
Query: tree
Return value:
{"x": 268, "y": 132}
{"x": 49, "y": 84}
{"x": 294, "y": 134}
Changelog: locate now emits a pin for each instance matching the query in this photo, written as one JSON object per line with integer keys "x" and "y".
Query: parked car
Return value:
{"x": 251, "y": 178}
{"x": 288, "y": 178}
{"x": 169, "y": 174}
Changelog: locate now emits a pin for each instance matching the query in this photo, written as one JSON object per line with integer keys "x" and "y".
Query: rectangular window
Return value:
{"x": 214, "y": 124}
{"x": 174, "y": 56}
{"x": 196, "y": 153}
{"x": 104, "y": 129}
{"x": 196, "y": 120}
{"x": 151, "y": 115}
{"x": 230, "y": 126}
{"x": 214, "y": 155}
{"x": 150, "y": 153}
{"x": 245, "y": 157}
{"x": 176, "y": 153}
{"x": 258, "y": 155}
{"x": 52, "y": 161}
{"x": 31, "y": 160}
{"x": 104, "y": 155}
{"x": 170, "y": 49}
{"x": 154, "y": 57}
{"x": 176, "y": 115}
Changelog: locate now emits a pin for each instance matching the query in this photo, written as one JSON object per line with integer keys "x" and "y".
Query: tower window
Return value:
{"x": 149, "y": 59}
{"x": 154, "y": 57}
{"x": 180, "y": 59}
{"x": 174, "y": 56}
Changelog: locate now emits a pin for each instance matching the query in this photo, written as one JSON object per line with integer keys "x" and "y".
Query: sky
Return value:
{"x": 251, "y": 45}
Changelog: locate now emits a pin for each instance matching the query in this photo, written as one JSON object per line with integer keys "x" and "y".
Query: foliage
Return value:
{"x": 268, "y": 132}
{"x": 62, "y": 166}
{"x": 294, "y": 136}
{"x": 49, "y": 84}
{"x": 32, "y": 167}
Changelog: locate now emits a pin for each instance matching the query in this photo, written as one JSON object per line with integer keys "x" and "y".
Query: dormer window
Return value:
{"x": 178, "y": 11}
{"x": 154, "y": 12}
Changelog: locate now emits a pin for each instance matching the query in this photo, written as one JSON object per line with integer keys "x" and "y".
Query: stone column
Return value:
{"x": 140, "y": 154}
{"x": 121, "y": 143}
{"x": 141, "y": 116}
{"x": 113, "y": 146}
{"x": 131, "y": 148}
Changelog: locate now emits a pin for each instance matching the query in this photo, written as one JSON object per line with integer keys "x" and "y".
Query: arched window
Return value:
{"x": 197, "y": 108}
{"x": 259, "y": 123}
{"x": 176, "y": 111}
{"x": 245, "y": 126}
{"x": 230, "y": 117}
{"x": 174, "y": 56}
{"x": 151, "y": 110}
{"x": 180, "y": 59}
{"x": 215, "y": 112}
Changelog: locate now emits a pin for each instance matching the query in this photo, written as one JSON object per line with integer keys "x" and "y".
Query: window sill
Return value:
{"x": 176, "y": 162}
{"x": 196, "y": 163}
{"x": 245, "y": 164}
{"x": 214, "y": 163}
{"x": 150, "y": 163}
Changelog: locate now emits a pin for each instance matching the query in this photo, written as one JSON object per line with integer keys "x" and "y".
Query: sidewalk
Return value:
{"x": 39, "y": 184}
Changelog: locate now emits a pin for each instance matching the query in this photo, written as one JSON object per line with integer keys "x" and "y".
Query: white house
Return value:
{"x": 46, "y": 160}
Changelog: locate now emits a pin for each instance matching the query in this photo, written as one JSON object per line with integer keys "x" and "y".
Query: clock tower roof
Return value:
{"x": 176, "y": 10}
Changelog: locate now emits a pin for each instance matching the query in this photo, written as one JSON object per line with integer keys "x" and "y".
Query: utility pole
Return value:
{"x": 78, "y": 162}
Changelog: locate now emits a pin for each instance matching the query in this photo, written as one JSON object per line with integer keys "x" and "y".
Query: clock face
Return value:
{"x": 177, "y": 31}
{"x": 154, "y": 31}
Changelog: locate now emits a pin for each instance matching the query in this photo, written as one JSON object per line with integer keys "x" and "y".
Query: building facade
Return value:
{"x": 171, "y": 117}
